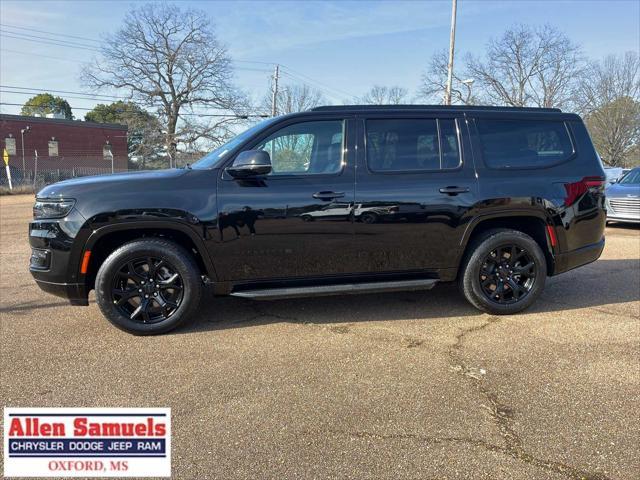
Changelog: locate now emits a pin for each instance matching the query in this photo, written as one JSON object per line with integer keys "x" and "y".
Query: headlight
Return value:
{"x": 52, "y": 208}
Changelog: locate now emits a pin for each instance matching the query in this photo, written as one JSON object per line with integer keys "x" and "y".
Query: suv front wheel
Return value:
{"x": 504, "y": 272}
{"x": 149, "y": 286}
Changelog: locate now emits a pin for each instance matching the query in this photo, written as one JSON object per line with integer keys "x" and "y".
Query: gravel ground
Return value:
{"x": 409, "y": 385}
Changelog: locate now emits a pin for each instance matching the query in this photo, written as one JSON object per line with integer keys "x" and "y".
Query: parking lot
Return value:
{"x": 400, "y": 385}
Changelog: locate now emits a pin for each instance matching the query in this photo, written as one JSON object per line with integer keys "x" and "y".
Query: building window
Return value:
{"x": 53, "y": 147}
{"x": 10, "y": 145}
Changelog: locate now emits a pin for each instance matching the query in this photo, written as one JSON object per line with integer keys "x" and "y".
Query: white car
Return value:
{"x": 335, "y": 211}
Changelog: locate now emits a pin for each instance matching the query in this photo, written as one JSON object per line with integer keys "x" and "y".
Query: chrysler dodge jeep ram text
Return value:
{"x": 333, "y": 200}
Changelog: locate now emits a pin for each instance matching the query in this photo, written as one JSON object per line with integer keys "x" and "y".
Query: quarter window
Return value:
{"x": 306, "y": 148}
{"x": 523, "y": 143}
{"x": 412, "y": 144}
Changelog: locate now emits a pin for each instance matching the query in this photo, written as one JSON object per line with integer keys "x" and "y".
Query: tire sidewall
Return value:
{"x": 177, "y": 257}
{"x": 471, "y": 279}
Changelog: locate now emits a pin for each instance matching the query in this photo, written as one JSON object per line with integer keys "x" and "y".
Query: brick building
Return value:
{"x": 63, "y": 144}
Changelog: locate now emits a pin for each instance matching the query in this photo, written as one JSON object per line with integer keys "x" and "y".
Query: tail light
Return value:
{"x": 575, "y": 190}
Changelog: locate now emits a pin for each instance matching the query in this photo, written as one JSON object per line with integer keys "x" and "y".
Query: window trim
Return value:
{"x": 279, "y": 126}
{"x": 570, "y": 157}
{"x": 422, "y": 170}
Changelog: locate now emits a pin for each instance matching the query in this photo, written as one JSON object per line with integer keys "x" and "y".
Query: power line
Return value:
{"x": 58, "y": 43}
{"x": 18, "y": 27}
{"x": 309, "y": 79}
{"x": 260, "y": 115}
{"x": 29, "y": 54}
{"x": 33, "y": 89}
{"x": 40, "y": 55}
{"x": 54, "y": 91}
{"x": 87, "y": 96}
{"x": 322, "y": 89}
{"x": 295, "y": 75}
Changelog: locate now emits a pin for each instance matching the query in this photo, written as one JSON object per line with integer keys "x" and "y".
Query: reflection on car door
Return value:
{"x": 415, "y": 186}
{"x": 262, "y": 232}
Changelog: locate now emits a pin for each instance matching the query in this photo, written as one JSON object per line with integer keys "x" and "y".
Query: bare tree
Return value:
{"x": 169, "y": 59}
{"x": 294, "y": 98}
{"x": 434, "y": 82}
{"x": 528, "y": 67}
{"x": 609, "y": 98}
{"x": 381, "y": 95}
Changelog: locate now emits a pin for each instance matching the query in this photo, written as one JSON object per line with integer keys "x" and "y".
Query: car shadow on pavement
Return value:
{"x": 27, "y": 307}
{"x": 605, "y": 282}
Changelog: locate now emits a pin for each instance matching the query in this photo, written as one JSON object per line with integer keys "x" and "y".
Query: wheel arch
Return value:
{"x": 106, "y": 239}
{"x": 533, "y": 223}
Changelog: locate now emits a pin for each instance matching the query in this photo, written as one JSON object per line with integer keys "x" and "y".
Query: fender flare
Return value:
{"x": 524, "y": 212}
{"x": 141, "y": 226}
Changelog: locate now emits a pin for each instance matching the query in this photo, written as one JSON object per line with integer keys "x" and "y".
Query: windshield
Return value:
{"x": 633, "y": 177}
{"x": 212, "y": 159}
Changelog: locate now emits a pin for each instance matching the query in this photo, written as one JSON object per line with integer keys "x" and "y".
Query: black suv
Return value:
{"x": 334, "y": 200}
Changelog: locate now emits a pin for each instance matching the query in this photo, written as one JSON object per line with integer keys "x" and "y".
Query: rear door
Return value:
{"x": 415, "y": 188}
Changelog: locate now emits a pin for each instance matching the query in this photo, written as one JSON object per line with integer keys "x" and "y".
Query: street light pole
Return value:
{"x": 452, "y": 41}
{"x": 274, "y": 98}
{"x": 22, "y": 132}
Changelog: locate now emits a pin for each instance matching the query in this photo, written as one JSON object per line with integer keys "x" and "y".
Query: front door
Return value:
{"x": 415, "y": 187}
{"x": 296, "y": 222}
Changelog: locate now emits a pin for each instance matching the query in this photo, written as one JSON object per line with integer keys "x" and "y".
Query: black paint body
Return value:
{"x": 248, "y": 233}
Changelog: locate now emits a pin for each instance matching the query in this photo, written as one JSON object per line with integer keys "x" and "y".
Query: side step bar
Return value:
{"x": 338, "y": 289}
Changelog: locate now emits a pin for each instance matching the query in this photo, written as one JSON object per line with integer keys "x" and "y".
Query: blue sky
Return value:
{"x": 343, "y": 47}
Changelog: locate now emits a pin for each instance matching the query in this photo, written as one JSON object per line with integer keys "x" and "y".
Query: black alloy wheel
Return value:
{"x": 507, "y": 274}
{"x": 149, "y": 286}
{"x": 503, "y": 271}
{"x": 147, "y": 290}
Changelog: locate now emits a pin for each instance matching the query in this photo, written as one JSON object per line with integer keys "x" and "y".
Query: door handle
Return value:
{"x": 327, "y": 195}
{"x": 454, "y": 190}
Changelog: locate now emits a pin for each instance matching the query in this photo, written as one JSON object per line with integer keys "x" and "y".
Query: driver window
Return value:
{"x": 306, "y": 148}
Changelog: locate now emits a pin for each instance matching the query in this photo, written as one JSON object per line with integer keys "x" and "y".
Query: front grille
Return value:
{"x": 625, "y": 206}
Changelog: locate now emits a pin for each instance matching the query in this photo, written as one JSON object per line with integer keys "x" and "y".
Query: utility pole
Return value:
{"x": 274, "y": 98}
{"x": 452, "y": 41}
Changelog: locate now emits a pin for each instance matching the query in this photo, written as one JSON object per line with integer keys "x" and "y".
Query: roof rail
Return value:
{"x": 334, "y": 108}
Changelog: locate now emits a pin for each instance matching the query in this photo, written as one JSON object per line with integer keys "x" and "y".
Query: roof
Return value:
{"x": 61, "y": 121}
{"x": 413, "y": 107}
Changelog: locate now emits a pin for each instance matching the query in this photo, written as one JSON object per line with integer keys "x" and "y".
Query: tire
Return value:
{"x": 369, "y": 218}
{"x": 488, "y": 274}
{"x": 122, "y": 284}
{"x": 307, "y": 218}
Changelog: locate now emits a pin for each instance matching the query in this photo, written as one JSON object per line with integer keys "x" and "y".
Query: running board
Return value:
{"x": 338, "y": 289}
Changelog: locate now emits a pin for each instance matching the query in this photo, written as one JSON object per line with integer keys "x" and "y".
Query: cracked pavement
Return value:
{"x": 399, "y": 385}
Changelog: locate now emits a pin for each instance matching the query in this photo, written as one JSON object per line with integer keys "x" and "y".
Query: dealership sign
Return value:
{"x": 87, "y": 442}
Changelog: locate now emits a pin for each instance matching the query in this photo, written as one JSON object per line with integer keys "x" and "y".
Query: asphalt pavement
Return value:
{"x": 399, "y": 385}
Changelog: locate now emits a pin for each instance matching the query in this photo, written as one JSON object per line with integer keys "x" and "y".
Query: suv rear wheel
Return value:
{"x": 504, "y": 272}
{"x": 148, "y": 286}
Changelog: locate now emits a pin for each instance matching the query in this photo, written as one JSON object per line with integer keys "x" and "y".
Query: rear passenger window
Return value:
{"x": 412, "y": 144}
{"x": 523, "y": 143}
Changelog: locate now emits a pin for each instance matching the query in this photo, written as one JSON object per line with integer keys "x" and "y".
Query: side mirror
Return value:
{"x": 250, "y": 164}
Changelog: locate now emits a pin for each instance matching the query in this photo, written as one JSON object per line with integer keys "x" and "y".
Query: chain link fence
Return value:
{"x": 46, "y": 171}
{"x": 31, "y": 180}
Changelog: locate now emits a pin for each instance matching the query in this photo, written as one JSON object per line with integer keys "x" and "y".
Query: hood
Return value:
{"x": 108, "y": 183}
{"x": 624, "y": 190}
{"x": 192, "y": 191}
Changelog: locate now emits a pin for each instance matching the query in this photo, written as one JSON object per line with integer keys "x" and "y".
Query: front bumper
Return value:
{"x": 578, "y": 257}
{"x": 56, "y": 256}
{"x": 76, "y": 293}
